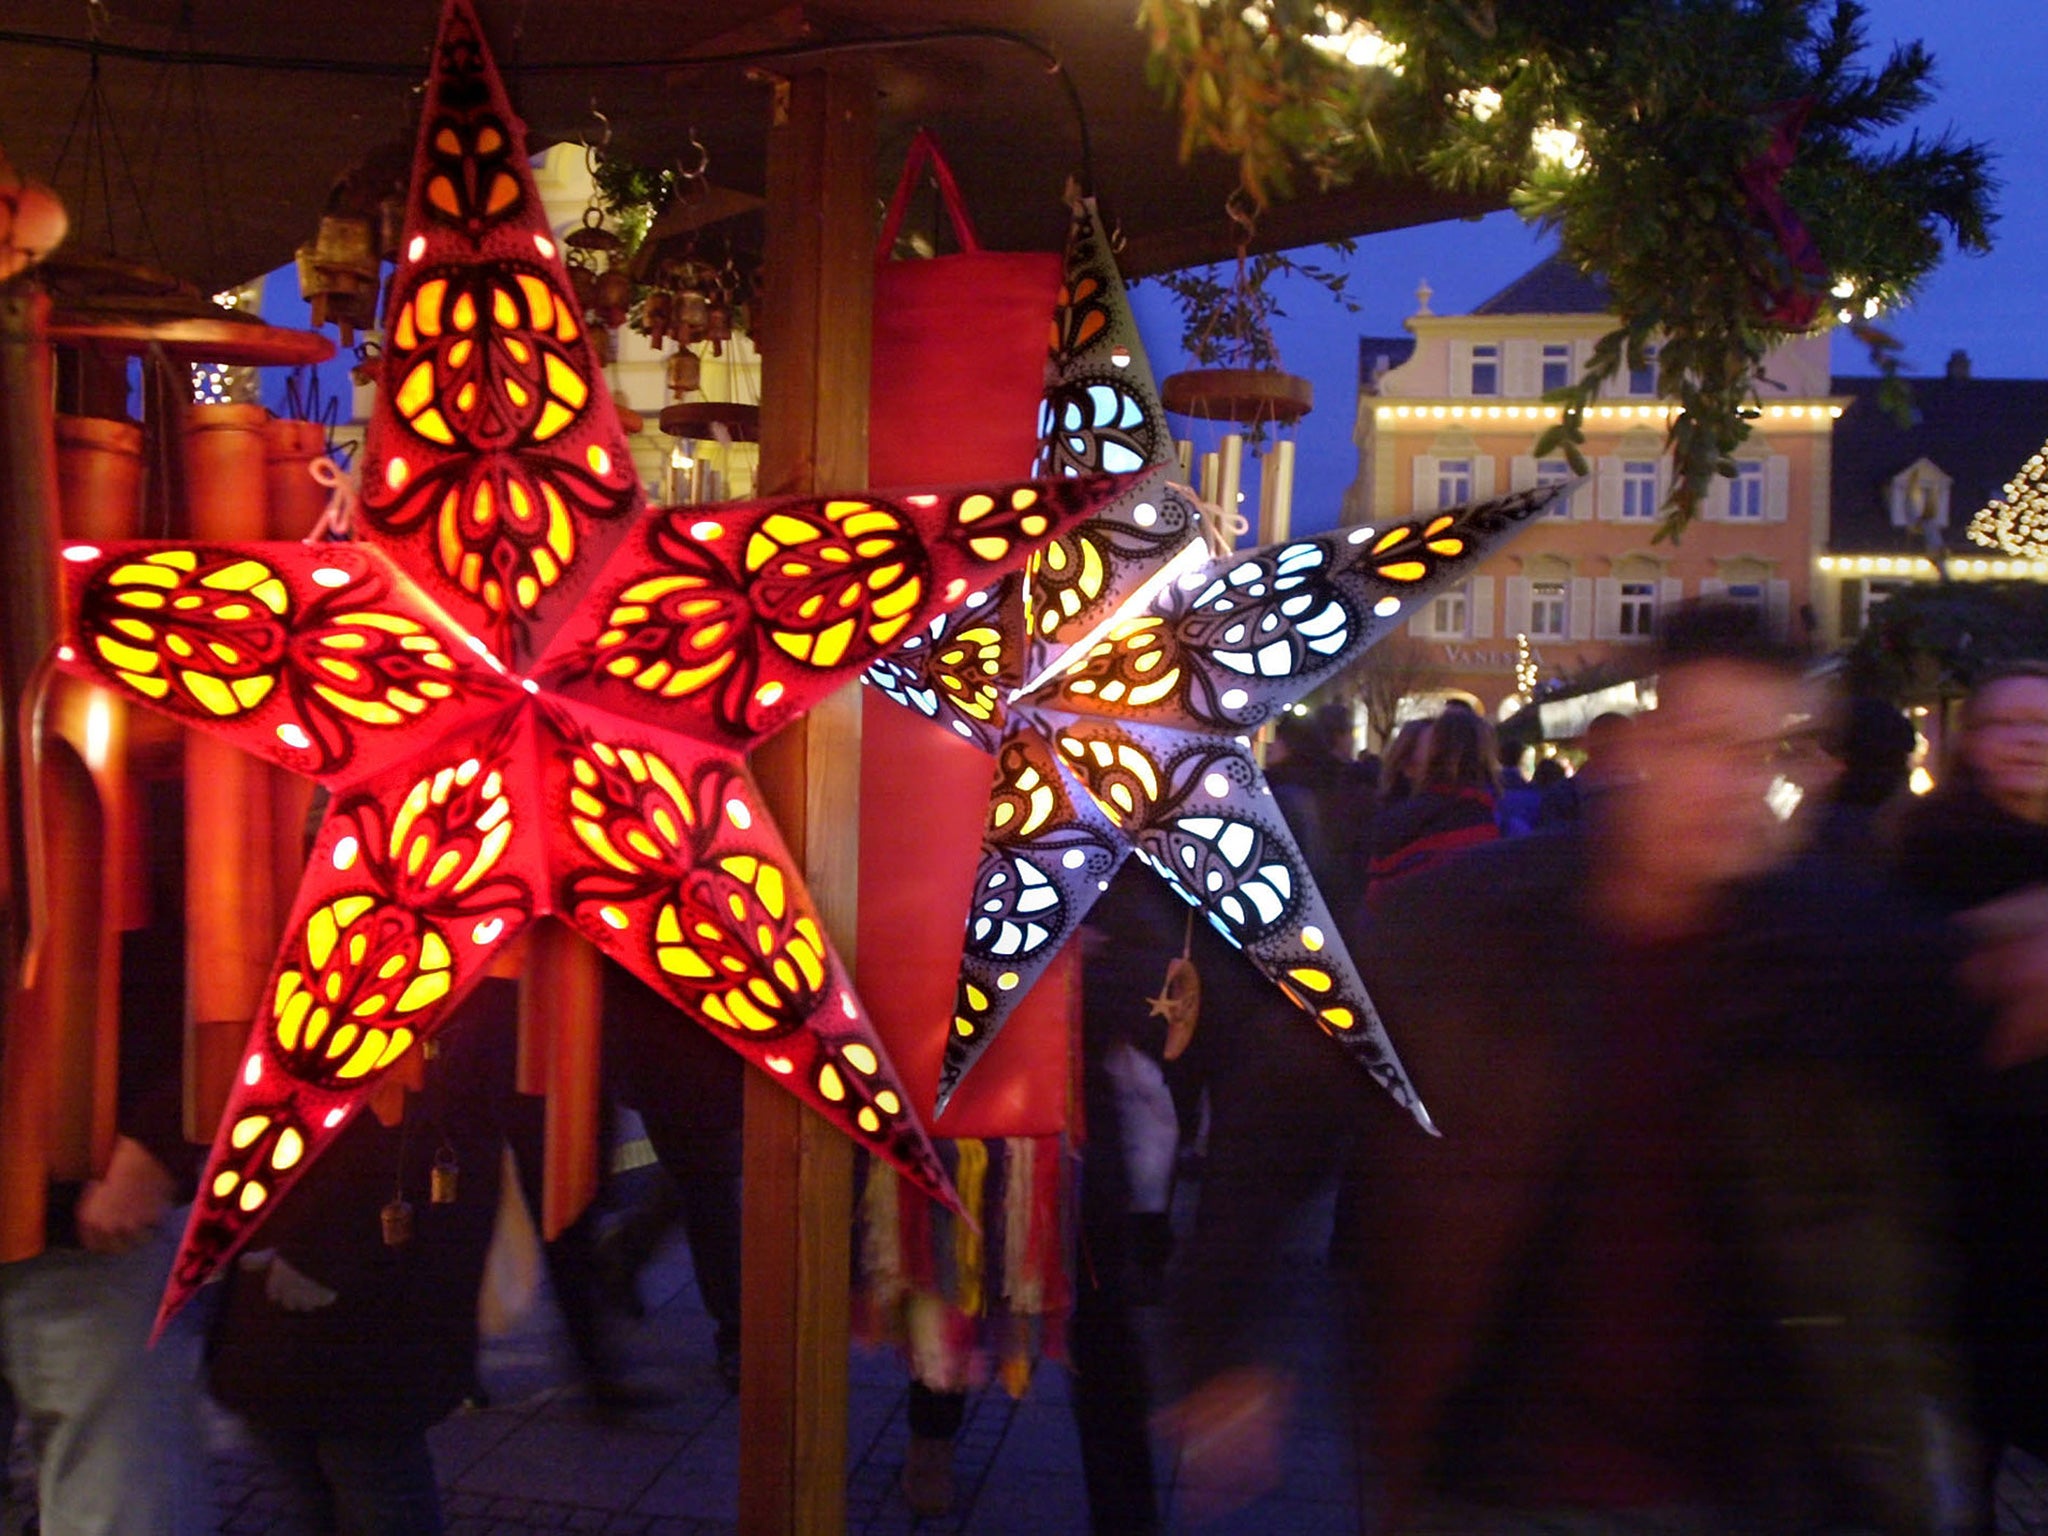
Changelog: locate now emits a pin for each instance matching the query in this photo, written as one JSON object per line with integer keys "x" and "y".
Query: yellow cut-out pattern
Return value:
{"x": 757, "y": 964}
{"x": 652, "y": 836}
{"x": 829, "y": 575}
{"x": 268, "y": 1143}
{"x": 177, "y": 623}
{"x": 968, "y": 667}
{"x": 1061, "y": 582}
{"x": 1135, "y": 664}
{"x": 337, "y": 1013}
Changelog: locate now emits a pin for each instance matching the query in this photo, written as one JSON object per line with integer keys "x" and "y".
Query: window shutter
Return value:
{"x": 1521, "y": 473}
{"x": 1777, "y": 488}
{"x": 1482, "y": 476}
{"x": 1715, "y": 508}
{"x": 1607, "y": 608}
{"x": 1579, "y": 622}
{"x": 1425, "y": 485}
{"x": 1607, "y": 482}
{"x": 1582, "y": 500}
{"x": 1522, "y": 368}
{"x": 1479, "y": 607}
{"x": 1664, "y": 473}
{"x": 1778, "y": 607}
{"x": 1710, "y": 588}
{"x": 1514, "y": 619}
{"x": 1670, "y": 593}
{"x": 1461, "y": 367}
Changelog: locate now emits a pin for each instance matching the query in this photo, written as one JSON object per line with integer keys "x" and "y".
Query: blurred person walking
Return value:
{"x": 1672, "y": 1265}
{"x": 1978, "y": 848}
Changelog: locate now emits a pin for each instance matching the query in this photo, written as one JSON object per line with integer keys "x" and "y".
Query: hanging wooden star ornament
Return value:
{"x": 527, "y": 692}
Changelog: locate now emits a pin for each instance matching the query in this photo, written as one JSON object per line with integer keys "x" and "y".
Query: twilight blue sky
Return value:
{"x": 1989, "y": 87}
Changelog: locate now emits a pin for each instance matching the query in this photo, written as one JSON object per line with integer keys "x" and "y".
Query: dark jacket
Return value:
{"x": 1957, "y": 850}
{"x": 1840, "y": 1393}
{"x": 395, "y": 1352}
{"x": 1418, "y": 834}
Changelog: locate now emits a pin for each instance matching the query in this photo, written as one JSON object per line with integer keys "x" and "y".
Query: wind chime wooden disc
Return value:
{"x": 1246, "y": 395}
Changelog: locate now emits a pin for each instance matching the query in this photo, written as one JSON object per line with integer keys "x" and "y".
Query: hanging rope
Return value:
{"x": 337, "y": 521}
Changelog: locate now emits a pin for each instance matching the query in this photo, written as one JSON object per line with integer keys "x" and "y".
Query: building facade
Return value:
{"x": 1582, "y": 592}
{"x": 1905, "y": 491}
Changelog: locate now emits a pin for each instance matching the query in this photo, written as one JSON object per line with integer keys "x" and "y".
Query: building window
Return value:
{"x": 1643, "y": 380}
{"x": 1549, "y": 610}
{"x": 1746, "y": 493}
{"x": 1556, "y": 472}
{"x": 1875, "y": 595}
{"x": 1557, "y": 365}
{"x": 1638, "y": 617}
{"x": 1638, "y": 489}
{"x": 1449, "y": 614}
{"x": 1486, "y": 369}
{"x": 1453, "y": 482}
{"x": 1748, "y": 593}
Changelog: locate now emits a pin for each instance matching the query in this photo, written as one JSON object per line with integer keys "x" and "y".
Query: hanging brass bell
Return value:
{"x": 656, "y": 315}
{"x": 685, "y": 373}
{"x": 441, "y": 1181}
{"x": 611, "y": 297}
{"x": 583, "y": 283}
{"x": 718, "y": 325}
{"x": 397, "y": 1222}
{"x": 693, "y": 311}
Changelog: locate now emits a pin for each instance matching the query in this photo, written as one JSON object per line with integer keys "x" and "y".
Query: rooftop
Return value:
{"x": 1977, "y": 431}
{"x": 1552, "y": 287}
{"x": 1395, "y": 349}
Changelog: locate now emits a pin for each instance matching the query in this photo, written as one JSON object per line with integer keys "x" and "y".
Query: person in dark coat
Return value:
{"x": 1872, "y": 742}
{"x": 1978, "y": 848}
{"x": 1451, "y": 809}
{"x": 1673, "y": 1263}
{"x": 339, "y": 1348}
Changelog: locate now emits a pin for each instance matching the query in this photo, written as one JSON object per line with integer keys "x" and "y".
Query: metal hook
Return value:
{"x": 699, "y": 171}
{"x": 594, "y": 147}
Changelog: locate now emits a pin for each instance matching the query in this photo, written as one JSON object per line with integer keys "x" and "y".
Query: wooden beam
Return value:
{"x": 798, "y": 1170}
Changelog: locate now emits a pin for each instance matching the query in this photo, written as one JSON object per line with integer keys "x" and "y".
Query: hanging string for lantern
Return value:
{"x": 337, "y": 522}
{"x": 1248, "y": 394}
{"x": 102, "y": 147}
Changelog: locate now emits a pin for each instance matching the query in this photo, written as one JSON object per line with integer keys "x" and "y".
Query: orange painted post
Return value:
{"x": 560, "y": 1018}
{"x": 798, "y": 1171}
{"x": 295, "y": 501}
{"x": 231, "y": 912}
{"x": 28, "y": 628}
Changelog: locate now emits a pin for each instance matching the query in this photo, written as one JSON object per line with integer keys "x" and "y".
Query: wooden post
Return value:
{"x": 28, "y": 628}
{"x": 799, "y": 1171}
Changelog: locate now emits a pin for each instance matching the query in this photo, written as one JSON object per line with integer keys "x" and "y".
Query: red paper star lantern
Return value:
{"x": 530, "y": 695}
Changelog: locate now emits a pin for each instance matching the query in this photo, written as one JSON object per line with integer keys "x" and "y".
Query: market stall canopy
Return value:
{"x": 233, "y": 160}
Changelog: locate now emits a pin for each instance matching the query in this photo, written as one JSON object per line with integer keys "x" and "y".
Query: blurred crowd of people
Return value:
{"x": 1736, "y": 1049}
{"x": 1738, "y": 1053}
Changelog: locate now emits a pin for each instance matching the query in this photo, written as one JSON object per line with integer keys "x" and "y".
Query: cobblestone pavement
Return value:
{"x": 539, "y": 1460}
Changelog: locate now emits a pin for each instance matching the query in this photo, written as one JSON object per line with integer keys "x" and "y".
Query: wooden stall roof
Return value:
{"x": 232, "y": 162}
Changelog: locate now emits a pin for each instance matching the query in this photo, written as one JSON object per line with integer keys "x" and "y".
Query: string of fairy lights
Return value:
{"x": 2018, "y": 523}
{"x": 225, "y": 383}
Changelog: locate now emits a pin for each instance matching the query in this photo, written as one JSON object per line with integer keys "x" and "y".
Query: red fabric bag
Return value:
{"x": 959, "y": 368}
{"x": 959, "y": 348}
